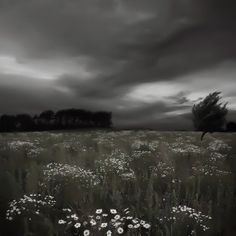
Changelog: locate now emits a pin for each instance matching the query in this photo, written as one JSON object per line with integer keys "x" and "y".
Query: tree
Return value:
{"x": 63, "y": 119}
{"x": 7, "y": 123}
{"x": 209, "y": 114}
{"x": 47, "y": 115}
{"x": 231, "y": 126}
{"x": 102, "y": 119}
{"x": 24, "y": 122}
{"x": 46, "y": 120}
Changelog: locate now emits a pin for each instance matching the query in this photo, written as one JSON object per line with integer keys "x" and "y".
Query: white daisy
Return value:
{"x": 75, "y": 217}
{"x": 77, "y": 225}
{"x": 136, "y": 226}
{"x": 86, "y": 232}
{"x": 113, "y": 211}
{"x": 117, "y": 217}
{"x": 98, "y": 211}
{"x": 135, "y": 221}
{"x": 142, "y": 222}
{"x": 109, "y": 233}
{"x": 120, "y": 230}
{"x": 103, "y": 225}
{"x": 93, "y": 222}
{"x": 61, "y": 222}
{"x": 146, "y": 226}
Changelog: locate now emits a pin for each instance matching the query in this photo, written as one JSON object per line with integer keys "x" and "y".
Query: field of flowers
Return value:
{"x": 117, "y": 183}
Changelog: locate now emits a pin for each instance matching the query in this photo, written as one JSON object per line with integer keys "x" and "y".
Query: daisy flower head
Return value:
{"x": 146, "y": 226}
{"x": 120, "y": 230}
{"x": 117, "y": 217}
{"x": 93, "y": 222}
{"x": 136, "y": 226}
{"x": 142, "y": 222}
{"x": 86, "y": 232}
{"x": 109, "y": 233}
{"x": 98, "y": 211}
{"x": 103, "y": 225}
{"x": 77, "y": 225}
{"x": 61, "y": 222}
{"x": 113, "y": 211}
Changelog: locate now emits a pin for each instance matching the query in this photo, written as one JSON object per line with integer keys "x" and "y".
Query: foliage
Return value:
{"x": 117, "y": 183}
{"x": 231, "y": 126}
{"x": 209, "y": 114}
{"x": 62, "y": 119}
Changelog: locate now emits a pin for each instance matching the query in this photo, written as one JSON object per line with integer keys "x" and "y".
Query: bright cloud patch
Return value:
{"x": 151, "y": 92}
{"x": 45, "y": 69}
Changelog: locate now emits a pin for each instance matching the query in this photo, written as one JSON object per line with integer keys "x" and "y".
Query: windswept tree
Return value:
{"x": 209, "y": 114}
{"x": 231, "y": 126}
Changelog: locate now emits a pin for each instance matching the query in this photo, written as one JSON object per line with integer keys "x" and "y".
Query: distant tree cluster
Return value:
{"x": 209, "y": 115}
{"x": 62, "y": 119}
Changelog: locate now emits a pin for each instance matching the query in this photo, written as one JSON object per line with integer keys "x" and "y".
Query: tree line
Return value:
{"x": 62, "y": 119}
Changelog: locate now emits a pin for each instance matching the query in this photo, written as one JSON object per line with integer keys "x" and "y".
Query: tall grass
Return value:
{"x": 169, "y": 181}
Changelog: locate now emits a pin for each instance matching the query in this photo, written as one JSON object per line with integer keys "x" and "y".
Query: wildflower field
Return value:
{"x": 117, "y": 183}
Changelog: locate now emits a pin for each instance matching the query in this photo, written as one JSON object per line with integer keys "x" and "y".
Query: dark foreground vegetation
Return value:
{"x": 62, "y": 119}
{"x": 133, "y": 183}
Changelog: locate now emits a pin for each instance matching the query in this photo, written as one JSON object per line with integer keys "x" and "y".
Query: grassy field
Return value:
{"x": 117, "y": 183}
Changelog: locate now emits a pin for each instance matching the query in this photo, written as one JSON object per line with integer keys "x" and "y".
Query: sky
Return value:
{"x": 146, "y": 61}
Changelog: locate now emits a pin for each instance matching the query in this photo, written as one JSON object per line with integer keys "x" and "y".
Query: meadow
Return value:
{"x": 117, "y": 183}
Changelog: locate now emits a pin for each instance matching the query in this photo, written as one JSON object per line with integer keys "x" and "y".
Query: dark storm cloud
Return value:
{"x": 22, "y": 94}
{"x": 92, "y": 89}
{"x": 101, "y": 29}
{"x": 184, "y": 44}
{"x": 46, "y": 28}
{"x": 123, "y": 44}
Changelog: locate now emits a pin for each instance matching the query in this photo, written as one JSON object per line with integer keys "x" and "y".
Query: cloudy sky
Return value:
{"x": 147, "y": 61}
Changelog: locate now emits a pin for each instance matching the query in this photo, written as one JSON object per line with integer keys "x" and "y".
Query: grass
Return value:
{"x": 117, "y": 183}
